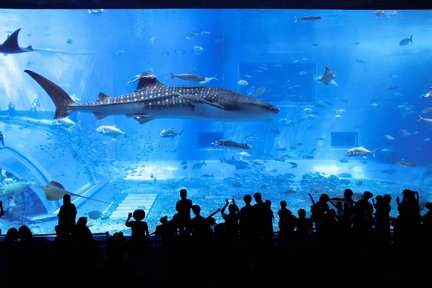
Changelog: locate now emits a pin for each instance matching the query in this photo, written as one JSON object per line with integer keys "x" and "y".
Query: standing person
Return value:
{"x": 67, "y": 216}
{"x": 1, "y": 209}
{"x": 246, "y": 221}
{"x": 183, "y": 208}
{"x": 139, "y": 230}
{"x": 231, "y": 223}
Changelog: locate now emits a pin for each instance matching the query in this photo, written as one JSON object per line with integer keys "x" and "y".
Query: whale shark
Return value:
{"x": 10, "y": 45}
{"x": 153, "y": 99}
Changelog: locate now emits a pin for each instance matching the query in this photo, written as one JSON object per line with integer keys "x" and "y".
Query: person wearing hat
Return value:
{"x": 139, "y": 230}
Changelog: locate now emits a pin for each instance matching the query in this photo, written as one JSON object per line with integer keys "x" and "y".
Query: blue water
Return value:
{"x": 375, "y": 100}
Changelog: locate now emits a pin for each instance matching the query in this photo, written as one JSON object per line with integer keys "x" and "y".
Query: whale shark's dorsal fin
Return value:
{"x": 102, "y": 96}
{"x": 148, "y": 81}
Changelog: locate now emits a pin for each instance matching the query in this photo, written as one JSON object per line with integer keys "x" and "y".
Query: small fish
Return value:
{"x": 390, "y": 171}
{"x": 109, "y": 130}
{"x": 293, "y": 164}
{"x": 428, "y": 120}
{"x": 198, "y": 50}
{"x": 359, "y": 151}
{"x": 379, "y": 12}
{"x": 344, "y": 175}
{"x": 242, "y": 82}
{"x": 428, "y": 94}
{"x": 259, "y": 91}
{"x": 405, "y": 132}
{"x": 327, "y": 76}
{"x": 244, "y": 154}
{"x": 208, "y": 176}
{"x": 208, "y": 79}
{"x": 188, "y": 77}
{"x": 198, "y": 165}
{"x": 64, "y": 122}
{"x": 389, "y": 137}
{"x": 307, "y": 18}
{"x": 231, "y": 144}
{"x": 406, "y": 41}
{"x": 406, "y": 163}
{"x": 95, "y": 11}
{"x": 170, "y": 133}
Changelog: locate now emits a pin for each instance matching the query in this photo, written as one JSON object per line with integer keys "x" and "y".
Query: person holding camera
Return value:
{"x": 139, "y": 230}
{"x": 231, "y": 224}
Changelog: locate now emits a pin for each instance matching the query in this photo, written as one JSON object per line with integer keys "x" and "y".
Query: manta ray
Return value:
{"x": 328, "y": 76}
{"x": 55, "y": 191}
{"x": 152, "y": 99}
{"x": 10, "y": 45}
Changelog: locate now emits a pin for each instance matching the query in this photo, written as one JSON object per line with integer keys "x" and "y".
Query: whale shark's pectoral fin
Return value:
{"x": 142, "y": 118}
{"x": 202, "y": 101}
{"x": 99, "y": 115}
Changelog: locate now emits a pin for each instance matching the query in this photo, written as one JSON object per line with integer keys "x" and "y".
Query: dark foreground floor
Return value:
{"x": 212, "y": 265}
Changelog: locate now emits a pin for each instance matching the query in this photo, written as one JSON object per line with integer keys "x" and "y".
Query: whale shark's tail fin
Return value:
{"x": 60, "y": 98}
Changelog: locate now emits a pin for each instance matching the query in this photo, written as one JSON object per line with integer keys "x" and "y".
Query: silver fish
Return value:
{"x": 188, "y": 76}
{"x": 406, "y": 41}
{"x": 170, "y": 133}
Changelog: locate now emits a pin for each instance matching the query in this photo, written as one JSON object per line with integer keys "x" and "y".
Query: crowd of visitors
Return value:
{"x": 341, "y": 236}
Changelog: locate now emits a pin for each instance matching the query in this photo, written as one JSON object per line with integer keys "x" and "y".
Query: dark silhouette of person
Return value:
{"x": 201, "y": 232}
{"x": 303, "y": 236}
{"x": 286, "y": 224}
{"x": 246, "y": 222}
{"x": 319, "y": 210}
{"x": 67, "y": 215}
{"x": 27, "y": 252}
{"x": 1, "y": 210}
{"x": 263, "y": 220}
{"x": 231, "y": 224}
{"x": 139, "y": 230}
{"x": 363, "y": 221}
{"x": 84, "y": 247}
{"x": 382, "y": 220}
{"x": 115, "y": 252}
{"x": 426, "y": 229}
{"x": 183, "y": 208}
{"x": 408, "y": 222}
{"x": 200, "y": 256}
{"x": 11, "y": 268}
{"x": 348, "y": 203}
{"x": 166, "y": 232}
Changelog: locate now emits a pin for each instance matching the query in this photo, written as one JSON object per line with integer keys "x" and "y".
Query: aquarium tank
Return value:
{"x": 122, "y": 108}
